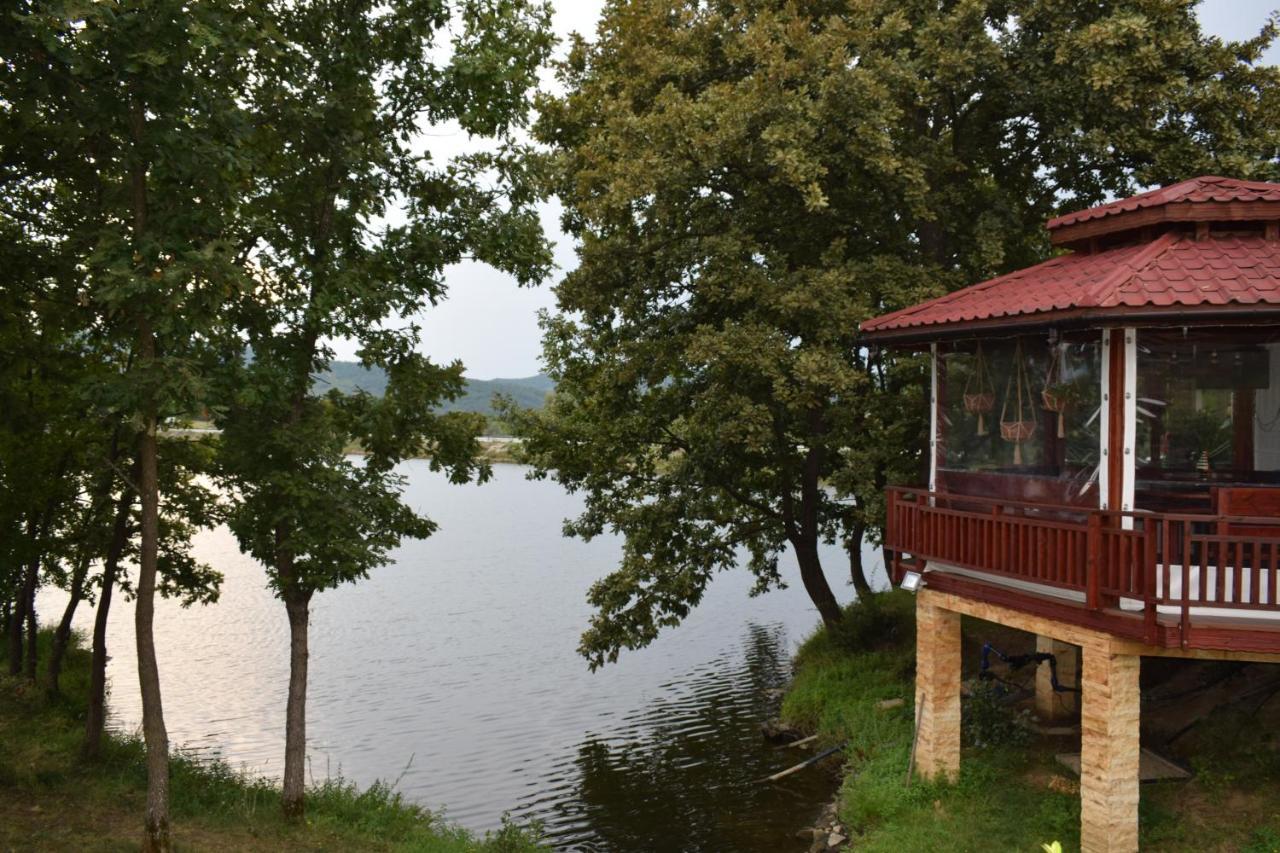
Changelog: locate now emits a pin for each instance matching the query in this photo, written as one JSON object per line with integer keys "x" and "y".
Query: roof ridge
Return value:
{"x": 1255, "y": 185}
{"x": 1073, "y": 215}
{"x": 1180, "y": 192}
{"x": 1095, "y": 297}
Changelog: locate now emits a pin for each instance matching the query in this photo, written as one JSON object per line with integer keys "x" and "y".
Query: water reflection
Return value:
{"x": 683, "y": 772}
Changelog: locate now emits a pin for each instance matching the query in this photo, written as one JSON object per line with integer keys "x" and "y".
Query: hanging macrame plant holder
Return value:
{"x": 1056, "y": 396}
{"x": 1023, "y": 425}
{"x": 979, "y": 396}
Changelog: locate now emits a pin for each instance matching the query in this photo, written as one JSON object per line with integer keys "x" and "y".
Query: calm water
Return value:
{"x": 454, "y": 671}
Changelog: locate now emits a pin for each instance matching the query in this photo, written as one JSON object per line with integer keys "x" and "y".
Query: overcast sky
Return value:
{"x": 492, "y": 325}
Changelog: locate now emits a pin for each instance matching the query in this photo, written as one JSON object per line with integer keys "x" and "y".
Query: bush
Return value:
{"x": 987, "y": 719}
{"x": 880, "y": 622}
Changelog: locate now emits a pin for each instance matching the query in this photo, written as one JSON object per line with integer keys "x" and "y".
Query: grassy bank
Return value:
{"x": 1011, "y": 795}
{"x": 52, "y": 800}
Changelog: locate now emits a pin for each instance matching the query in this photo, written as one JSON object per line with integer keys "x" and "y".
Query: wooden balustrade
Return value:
{"x": 1163, "y": 564}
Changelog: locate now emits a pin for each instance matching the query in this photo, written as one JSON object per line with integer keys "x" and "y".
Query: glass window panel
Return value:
{"x": 1208, "y": 413}
{"x": 1019, "y": 408}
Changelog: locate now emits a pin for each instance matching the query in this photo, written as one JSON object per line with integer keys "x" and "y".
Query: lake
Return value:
{"x": 453, "y": 672}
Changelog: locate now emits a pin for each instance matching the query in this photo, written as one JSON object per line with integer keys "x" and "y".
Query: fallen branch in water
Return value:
{"x": 804, "y": 741}
{"x": 803, "y": 764}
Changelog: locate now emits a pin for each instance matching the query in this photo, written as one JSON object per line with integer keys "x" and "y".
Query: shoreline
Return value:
{"x": 859, "y": 685}
{"x": 51, "y": 799}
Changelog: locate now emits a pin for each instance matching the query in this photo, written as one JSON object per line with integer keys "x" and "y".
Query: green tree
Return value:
{"x": 355, "y": 227}
{"x": 129, "y": 117}
{"x": 42, "y": 453}
{"x": 749, "y": 180}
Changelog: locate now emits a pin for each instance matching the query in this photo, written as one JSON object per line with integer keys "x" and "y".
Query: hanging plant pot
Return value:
{"x": 1017, "y": 432}
{"x": 980, "y": 405}
{"x": 1058, "y": 396}
{"x": 1022, "y": 425}
{"x": 1057, "y": 400}
{"x": 979, "y": 396}
{"x": 1053, "y": 400}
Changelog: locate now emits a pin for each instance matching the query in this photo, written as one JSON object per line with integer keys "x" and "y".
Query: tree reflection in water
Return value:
{"x": 681, "y": 774}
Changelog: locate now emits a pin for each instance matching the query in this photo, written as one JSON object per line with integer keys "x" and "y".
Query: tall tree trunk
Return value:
{"x": 17, "y": 618}
{"x": 62, "y": 636}
{"x": 815, "y": 581}
{"x": 101, "y": 497}
{"x": 295, "y": 730}
{"x": 153, "y": 728}
{"x": 21, "y": 601}
{"x": 804, "y": 527}
{"x": 297, "y": 594}
{"x": 33, "y": 628}
{"x": 97, "y": 716}
{"x": 155, "y": 736}
{"x": 857, "y": 572}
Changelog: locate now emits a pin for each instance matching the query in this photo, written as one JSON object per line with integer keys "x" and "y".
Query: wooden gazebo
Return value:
{"x": 1104, "y": 465}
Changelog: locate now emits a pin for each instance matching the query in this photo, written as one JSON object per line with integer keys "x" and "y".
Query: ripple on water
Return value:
{"x": 455, "y": 669}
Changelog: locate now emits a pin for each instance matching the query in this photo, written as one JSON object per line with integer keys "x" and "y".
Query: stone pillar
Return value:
{"x": 1109, "y": 751}
{"x": 1051, "y": 706}
{"x": 937, "y": 689}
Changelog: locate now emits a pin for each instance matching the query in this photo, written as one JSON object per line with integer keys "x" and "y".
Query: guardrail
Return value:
{"x": 1163, "y": 564}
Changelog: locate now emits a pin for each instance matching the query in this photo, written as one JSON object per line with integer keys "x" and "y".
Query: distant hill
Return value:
{"x": 530, "y": 391}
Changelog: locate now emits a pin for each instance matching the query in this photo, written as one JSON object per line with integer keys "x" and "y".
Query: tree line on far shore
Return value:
{"x": 185, "y": 184}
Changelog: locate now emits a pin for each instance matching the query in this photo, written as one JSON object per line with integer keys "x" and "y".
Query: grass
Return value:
{"x": 1010, "y": 796}
{"x": 52, "y": 800}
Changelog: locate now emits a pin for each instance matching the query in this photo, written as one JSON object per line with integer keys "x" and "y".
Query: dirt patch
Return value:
{"x": 1043, "y": 778}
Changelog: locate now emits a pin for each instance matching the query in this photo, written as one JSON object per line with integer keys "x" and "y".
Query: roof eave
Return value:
{"x": 1255, "y": 314}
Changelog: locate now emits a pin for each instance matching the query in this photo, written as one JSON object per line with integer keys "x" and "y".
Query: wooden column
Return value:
{"x": 1050, "y": 705}
{"x": 1115, "y": 421}
{"x": 937, "y": 689}
{"x": 935, "y": 420}
{"x": 1109, "y": 751}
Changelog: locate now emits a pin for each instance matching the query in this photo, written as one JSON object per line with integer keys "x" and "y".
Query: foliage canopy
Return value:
{"x": 749, "y": 180}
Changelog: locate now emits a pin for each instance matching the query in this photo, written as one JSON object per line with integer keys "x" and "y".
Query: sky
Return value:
{"x": 492, "y": 325}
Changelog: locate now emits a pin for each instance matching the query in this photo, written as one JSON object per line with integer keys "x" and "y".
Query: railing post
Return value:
{"x": 890, "y": 535}
{"x": 1184, "y": 621}
{"x": 1150, "y": 536}
{"x": 1092, "y": 595}
{"x": 998, "y": 540}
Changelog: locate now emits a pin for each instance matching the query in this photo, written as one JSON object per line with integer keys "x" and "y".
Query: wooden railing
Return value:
{"x": 1162, "y": 564}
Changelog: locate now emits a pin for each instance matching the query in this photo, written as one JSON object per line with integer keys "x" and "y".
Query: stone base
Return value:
{"x": 1109, "y": 751}
{"x": 937, "y": 690}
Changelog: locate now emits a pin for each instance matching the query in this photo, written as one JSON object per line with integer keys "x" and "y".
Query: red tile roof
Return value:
{"x": 1209, "y": 188}
{"x": 1174, "y": 271}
